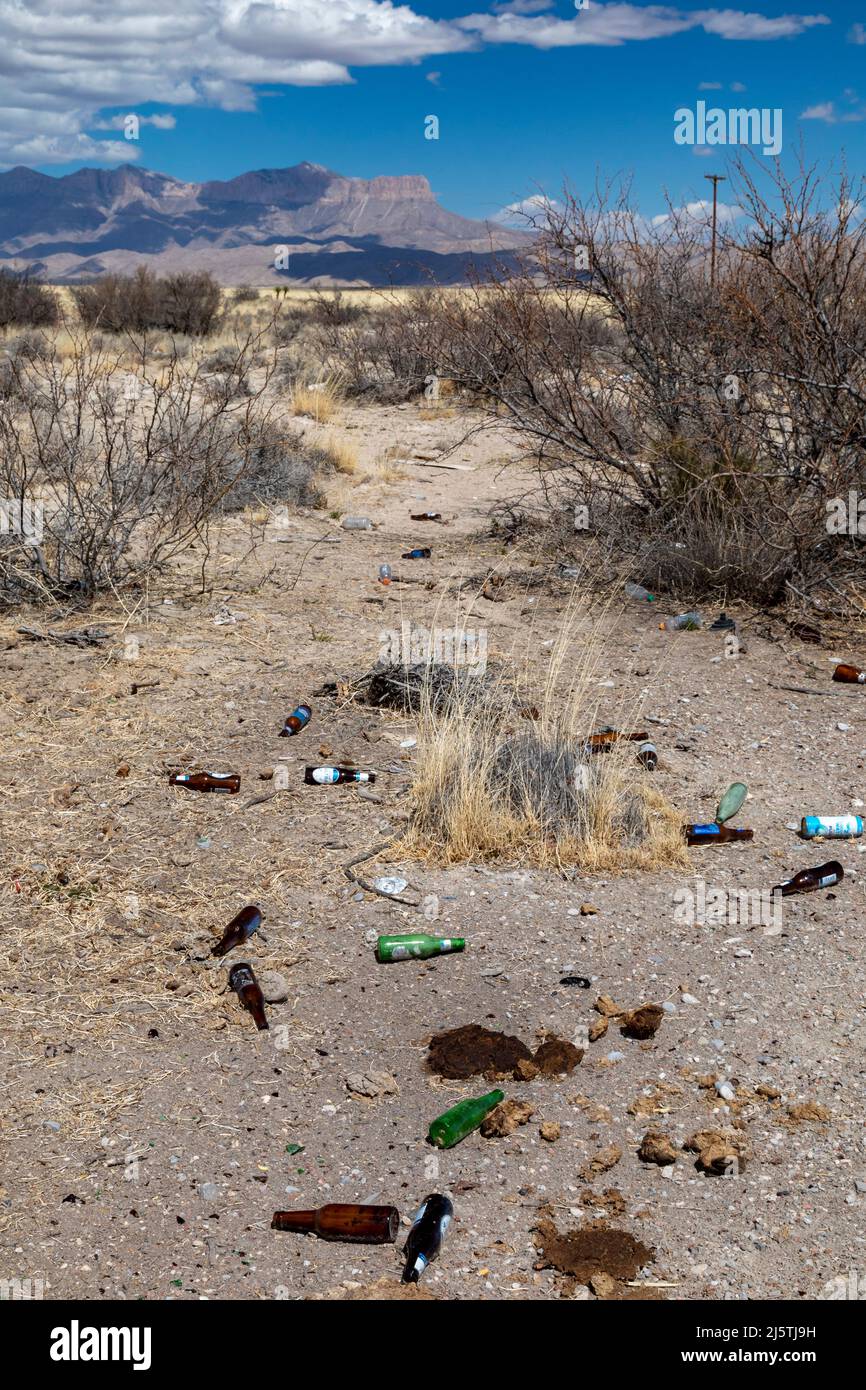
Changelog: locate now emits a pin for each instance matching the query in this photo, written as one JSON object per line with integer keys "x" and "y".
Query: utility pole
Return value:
{"x": 715, "y": 179}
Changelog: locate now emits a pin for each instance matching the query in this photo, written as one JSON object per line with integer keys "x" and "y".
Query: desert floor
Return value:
{"x": 148, "y": 1126}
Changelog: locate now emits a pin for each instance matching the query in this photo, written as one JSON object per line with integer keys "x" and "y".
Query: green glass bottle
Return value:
{"x": 448, "y": 1129}
{"x": 416, "y": 946}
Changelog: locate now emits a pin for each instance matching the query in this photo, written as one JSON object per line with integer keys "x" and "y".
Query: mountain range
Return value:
{"x": 302, "y": 225}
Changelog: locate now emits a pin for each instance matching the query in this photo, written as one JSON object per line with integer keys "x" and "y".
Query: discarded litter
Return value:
{"x": 356, "y": 523}
{"x": 809, "y": 880}
{"x": 296, "y": 721}
{"x": 638, "y": 591}
{"x": 425, "y": 516}
{"x": 206, "y": 781}
{"x": 243, "y": 981}
{"x": 390, "y": 884}
{"x": 417, "y": 946}
{"x": 424, "y": 1241}
{"x": 581, "y": 981}
{"x": 723, "y": 624}
{"x": 328, "y": 776}
{"x": 731, "y": 802}
{"x": 420, "y": 553}
{"x": 647, "y": 756}
{"x": 464, "y": 1117}
{"x": 683, "y": 622}
{"x": 851, "y": 675}
{"x": 385, "y": 575}
{"x": 716, "y": 834}
{"x": 832, "y": 827}
{"x": 362, "y": 1225}
{"x": 239, "y": 930}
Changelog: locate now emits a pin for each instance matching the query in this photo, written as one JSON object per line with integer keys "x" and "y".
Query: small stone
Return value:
{"x": 689, "y": 999}
{"x": 725, "y": 1090}
{"x": 208, "y": 1191}
{"x": 602, "y": 1285}
{"x": 372, "y": 1084}
{"x": 742, "y": 954}
{"x": 274, "y": 986}
{"x": 843, "y": 728}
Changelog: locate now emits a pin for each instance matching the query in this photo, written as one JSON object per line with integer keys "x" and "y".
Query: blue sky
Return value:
{"x": 243, "y": 84}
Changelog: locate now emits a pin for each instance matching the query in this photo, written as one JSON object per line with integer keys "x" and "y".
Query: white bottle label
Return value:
{"x": 400, "y": 953}
{"x": 823, "y": 882}
{"x": 839, "y": 826}
{"x": 325, "y": 775}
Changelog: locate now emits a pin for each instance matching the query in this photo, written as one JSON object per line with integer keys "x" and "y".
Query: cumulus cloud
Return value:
{"x": 857, "y": 33}
{"x": 65, "y": 62}
{"x": 528, "y": 212}
{"x": 700, "y": 212}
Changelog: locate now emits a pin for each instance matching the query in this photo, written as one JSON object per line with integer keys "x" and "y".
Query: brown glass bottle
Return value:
{"x": 808, "y": 880}
{"x": 715, "y": 834}
{"x": 425, "y": 516}
{"x": 343, "y": 1221}
{"x": 328, "y": 776}
{"x": 599, "y": 743}
{"x": 206, "y": 781}
{"x": 246, "y": 986}
{"x": 296, "y": 721}
{"x": 239, "y": 930}
{"x": 852, "y": 675}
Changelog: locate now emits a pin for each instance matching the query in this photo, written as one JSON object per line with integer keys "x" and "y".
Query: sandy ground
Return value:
{"x": 148, "y": 1127}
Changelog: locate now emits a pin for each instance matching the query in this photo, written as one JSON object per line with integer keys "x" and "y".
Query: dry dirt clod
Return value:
{"x": 506, "y": 1118}
{"x": 550, "y": 1131}
{"x": 809, "y": 1112}
{"x": 587, "y": 910}
{"x": 601, "y": 1162}
{"x": 643, "y": 1022}
{"x": 598, "y": 1029}
{"x": 720, "y": 1152}
{"x": 605, "y": 1005}
{"x": 603, "y": 1286}
{"x": 472, "y": 1050}
{"x": 656, "y": 1147}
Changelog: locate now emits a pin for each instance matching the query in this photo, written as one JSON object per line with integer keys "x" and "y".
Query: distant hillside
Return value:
{"x": 337, "y": 230}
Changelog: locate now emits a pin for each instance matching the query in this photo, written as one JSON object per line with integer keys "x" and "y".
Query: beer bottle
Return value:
{"x": 417, "y": 945}
{"x": 326, "y": 776}
{"x": 296, "y": 721}
{"x": 808, "y": 880}
{"x": 239, "y": 930}
{"x": 246, "y": 986}
{"x": 420, "y": 553}
{"x": 206, "y": 781}
{"x": 448, "y": 1129}
{"x": 832, "y": 827}
{"x": 647, "y": 754}
{"x": 715, "y": 834}
{"x": 424, "y": 1241}
{"x": 731, "y": 802}
{"x": 343, "y": 1221}
{"x": 425, "y": 516}
{"x": 599, "y": 743}
{"x": 852, "y": 675}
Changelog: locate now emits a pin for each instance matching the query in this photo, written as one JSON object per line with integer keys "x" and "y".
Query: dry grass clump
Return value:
{"x": 320, "y": 400}
{"x": 340, "y": 454}
{"x": 498, "y": 779}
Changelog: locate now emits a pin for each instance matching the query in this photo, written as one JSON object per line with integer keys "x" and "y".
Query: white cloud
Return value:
{"x": 710, "y": 86}
{"x": 826, "y": 111}
{"x": 159, "y": 122}
{"x": 700, "y": 212}
{"x": 64, "y": 62}
{"x": 528, "y": 212}
{"x": 857, "y": 33}
{"x": 613, "y": 24}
